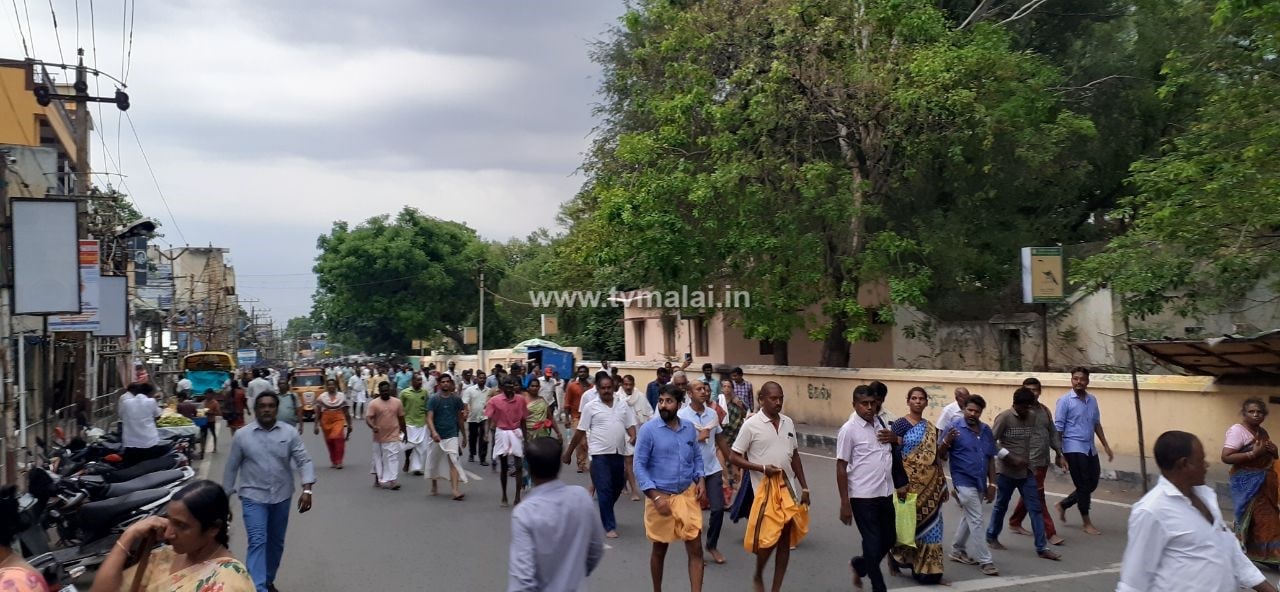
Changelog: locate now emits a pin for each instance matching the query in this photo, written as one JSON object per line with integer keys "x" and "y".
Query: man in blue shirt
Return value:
{"x": 972, "y": 448}
{"x": 1078, "y": 419}
{"x": 556, "y": 536}
{"x": 652, "y": 390}
{"x": 264, "y": 456}
{"x": 668, "y": 467}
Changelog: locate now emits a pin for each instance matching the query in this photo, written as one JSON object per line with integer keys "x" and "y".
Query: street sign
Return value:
{"x": 469, "y": 336}
{"x": 550, "y": 324}
{"x": 1042, "y": 277}
{"x": 246, "y": 357}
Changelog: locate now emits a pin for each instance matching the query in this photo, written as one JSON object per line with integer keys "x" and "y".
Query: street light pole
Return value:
{"x": 480, "y": 327}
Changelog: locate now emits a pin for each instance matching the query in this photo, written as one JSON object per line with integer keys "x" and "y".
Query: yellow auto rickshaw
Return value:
{"x": 307, "y": 384}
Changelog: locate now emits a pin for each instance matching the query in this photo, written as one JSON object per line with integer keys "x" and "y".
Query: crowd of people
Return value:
{"x": 688, "y": 445}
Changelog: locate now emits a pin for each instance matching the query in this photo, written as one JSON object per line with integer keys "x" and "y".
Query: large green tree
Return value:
{"x": 1203, "y": 227}
{"x": 391, "y": 280}
{"x": 798, "y": 149}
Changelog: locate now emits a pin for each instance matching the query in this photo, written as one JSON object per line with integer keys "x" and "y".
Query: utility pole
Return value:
{"x": 6, "y": 357}
{"x": 480, "y": 327}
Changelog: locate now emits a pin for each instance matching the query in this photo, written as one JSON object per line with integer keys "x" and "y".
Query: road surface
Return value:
{"x": 361, "y": 538}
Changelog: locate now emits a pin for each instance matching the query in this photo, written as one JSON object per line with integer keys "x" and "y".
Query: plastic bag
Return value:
{"x": 905, "y": 519}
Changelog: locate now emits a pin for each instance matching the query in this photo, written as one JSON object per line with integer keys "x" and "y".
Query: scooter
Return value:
{"x": 55, "y": 577}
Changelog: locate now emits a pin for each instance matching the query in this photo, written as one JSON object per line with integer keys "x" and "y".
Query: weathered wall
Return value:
{"x": 823, "y": 397}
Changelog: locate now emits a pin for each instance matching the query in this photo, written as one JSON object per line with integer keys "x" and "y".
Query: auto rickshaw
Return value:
{"x": 208, "y": 371}
{"x": 307, "y": 384}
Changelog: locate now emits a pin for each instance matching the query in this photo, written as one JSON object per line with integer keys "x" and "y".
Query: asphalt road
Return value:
{"x": 361, "y": 538}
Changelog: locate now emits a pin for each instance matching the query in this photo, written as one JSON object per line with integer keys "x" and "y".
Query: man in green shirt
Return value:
{"x": 445, "y": 420}
{"x": 414, "y": 399}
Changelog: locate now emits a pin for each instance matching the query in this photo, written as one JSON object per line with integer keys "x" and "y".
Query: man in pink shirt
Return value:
{"x": 385, "y": 417}
{"x": 507, "y": 414}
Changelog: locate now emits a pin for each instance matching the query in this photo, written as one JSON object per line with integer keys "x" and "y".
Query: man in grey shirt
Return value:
{"x": 264, "y": 455}
{"x": 1022, "y": 435}
{"x": 557, "y": 539}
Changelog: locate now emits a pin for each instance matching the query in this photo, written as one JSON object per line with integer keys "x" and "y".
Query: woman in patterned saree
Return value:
{"x": 924, "y": 469}
{"x": 195, "y": 559}
{"x": 1251, "y": 453}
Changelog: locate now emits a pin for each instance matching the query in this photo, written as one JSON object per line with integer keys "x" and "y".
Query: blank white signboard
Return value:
{"x": 112, "y": 311}
{"x": 46, "y": 266}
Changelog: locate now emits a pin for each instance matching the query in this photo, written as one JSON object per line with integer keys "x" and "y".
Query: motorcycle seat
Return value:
{"x": 163, "y": 463}
{"x": 152, "y": 481}
{"x": 103, "y": 514}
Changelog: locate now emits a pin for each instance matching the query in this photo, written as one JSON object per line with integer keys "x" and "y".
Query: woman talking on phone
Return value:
{"x": 195, "y": 555}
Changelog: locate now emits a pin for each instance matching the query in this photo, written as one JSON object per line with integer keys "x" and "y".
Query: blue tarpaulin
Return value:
{"x": 202, "y": 380}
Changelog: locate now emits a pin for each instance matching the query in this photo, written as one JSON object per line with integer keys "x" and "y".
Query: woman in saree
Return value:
{"x": 195, "y": 557}
{"x": 539, "y": 424}
{"x": 927, "y": 481}
{"x": 735, "y": 414}
{"x": 334, "y": 417}
{"x": 1251, "y": 453}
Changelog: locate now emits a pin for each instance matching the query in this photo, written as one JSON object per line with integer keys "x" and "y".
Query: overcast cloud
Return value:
{"x": 266, "y": 121}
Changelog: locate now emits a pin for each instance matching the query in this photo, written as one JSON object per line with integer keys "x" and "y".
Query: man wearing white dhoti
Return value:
{"x": 414, "y": 400}
{"x": 445, "y": 421}
{"x": 386, "y": 418}
{"x": 507, "y": 412}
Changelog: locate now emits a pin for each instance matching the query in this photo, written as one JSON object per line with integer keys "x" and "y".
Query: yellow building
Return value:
{"x": 23, "y": 122}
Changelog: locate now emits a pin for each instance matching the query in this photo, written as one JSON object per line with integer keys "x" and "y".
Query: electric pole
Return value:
{"x": 480, "y": 326}
{"x": 6, "y": 357}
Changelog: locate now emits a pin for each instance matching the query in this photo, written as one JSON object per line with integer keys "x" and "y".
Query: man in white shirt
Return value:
{"x": 766, "y": 446}
{"x": 608, "y": 425}
{"x": 475, "y": 397}
{"x": 953, "y": 410}
{"x": 138, "y": 432}
{"x": 184, "y": 387}
{"x": 1177, "y": 538}
{"x": 864, "y": 478}
{"x": 261, "y": 383}
{"x": 550, "y": 389}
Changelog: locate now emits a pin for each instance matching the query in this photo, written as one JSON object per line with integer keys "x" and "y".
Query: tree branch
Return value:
{"x": 1024, "y": 10}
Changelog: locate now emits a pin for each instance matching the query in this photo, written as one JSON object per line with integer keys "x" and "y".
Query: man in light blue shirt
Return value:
{"x": 1078, "y": 419}
{"x": 557, "y": 539}
{"x": 710, "y": 438}
{"x": 404, "y": 378}
{"x": 668, "y": 467}
{"x": 264, "y": 455}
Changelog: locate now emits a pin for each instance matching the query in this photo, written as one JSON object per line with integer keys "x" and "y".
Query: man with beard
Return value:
{"x": 508, "y": 412}
{"x": 608, "y": 424}
{"x": 573, "y": 410}
{"x": 446, "y": 421}
{"x": 414, "y": 400}
{"x": 385, "y": 417}
{"x": 972, "y": 452}
{"x": 668, "y": 466}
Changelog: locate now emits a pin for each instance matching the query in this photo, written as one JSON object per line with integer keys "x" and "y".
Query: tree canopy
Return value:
{"x": 803, "y": 149}
{"x": 1202, "y": 229}
{"x": 391, "y": 280}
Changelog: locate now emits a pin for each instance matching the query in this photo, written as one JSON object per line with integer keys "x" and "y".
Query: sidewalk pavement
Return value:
{"x": 1123, "y": 475}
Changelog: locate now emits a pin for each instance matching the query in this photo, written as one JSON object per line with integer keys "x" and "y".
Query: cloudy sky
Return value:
{"x": 266, "y": 120}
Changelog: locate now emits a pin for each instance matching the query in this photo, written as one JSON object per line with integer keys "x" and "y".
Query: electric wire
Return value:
{"x": 26, "y": 51}
{"x": 154, "y": 180}
{"x": 128, "y": 63}
{"x": 26, "y": 9}
{"x": 56, "y": 35}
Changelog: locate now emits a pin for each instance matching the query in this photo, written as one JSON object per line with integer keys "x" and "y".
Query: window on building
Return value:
{"x": 669, "y": 335}
{"x": 637, "y": 329}
{"x": 766, "y": 347}
{"x": 701, "y": 338}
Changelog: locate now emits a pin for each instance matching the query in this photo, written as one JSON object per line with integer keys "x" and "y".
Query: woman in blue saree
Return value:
{"x": 927, "y": 481}
{"x": 1254, "y": 488}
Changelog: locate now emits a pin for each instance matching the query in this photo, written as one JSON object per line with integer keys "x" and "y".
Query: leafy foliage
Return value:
{"x": 804, "y": 149}
{"x": 1203, "y": 228}
{"x": 391, "y": 280}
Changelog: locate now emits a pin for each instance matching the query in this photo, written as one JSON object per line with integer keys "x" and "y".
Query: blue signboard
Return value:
{"x": 246, "y": 357}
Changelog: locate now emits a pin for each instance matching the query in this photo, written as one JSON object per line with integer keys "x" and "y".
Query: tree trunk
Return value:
{"x": 835, "y": 348}
{"x": 780, "y": 353}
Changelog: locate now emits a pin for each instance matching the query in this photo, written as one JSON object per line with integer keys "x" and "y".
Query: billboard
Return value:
{"x": 90, "y": 272}
{"x": 46, "y": 261}
{"x": 1042, "y": 279}
{"x": 113, "y": 311}
{"x": 246, "y": 357}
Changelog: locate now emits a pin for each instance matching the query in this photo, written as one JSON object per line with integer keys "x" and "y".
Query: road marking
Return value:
{"x": 1009, "y": 581}
{"x": 1047, "y": 493}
